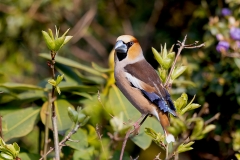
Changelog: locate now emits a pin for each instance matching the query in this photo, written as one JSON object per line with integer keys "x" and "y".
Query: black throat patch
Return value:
{"x": 121, "y": 56}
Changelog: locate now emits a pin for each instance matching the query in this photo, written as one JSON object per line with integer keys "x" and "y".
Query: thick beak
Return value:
{"x": 120, "y": 47}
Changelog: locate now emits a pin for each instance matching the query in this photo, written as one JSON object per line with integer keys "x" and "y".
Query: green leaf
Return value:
{"x": 16, "y": 148}
{"x": 2, "y": 143}
{"x": 181, "y": 102}
{"x": 237, "y": 154}
{"x": 237, "y": 62}
{"x": 28, "y": 156}
{"x": 31, "y": 96}
{"x": 83, "y": 94}
{"x": 208, "y": 128}
{"x": 58, "y": 90}
{"x": 87, "y": 154}
{"x": 59, "y": 79}
{"x": 6, "y": 156}
{"x": 117, "y": 123}
{"x": 65, "y": 86}
{"x": 81, "y": 117}
{"x": 52, "y": 82}
{"x": 49, "y": 41}
{"x": 50, "y": 33}
{"x": 84, "y": 122}
{"x": 185, "y": 147}
{"x": 20, "y": 86}
{"x": 65, "y": 33}
{"x": 164, "y": 51}
{"x": 171, "y": 56}
{"x": 198, "y": 128}
{"x": 24, "y": 118}
{"x": 59, "y": 43}
{"x": 80, "y": 136}
{"x": 56, "y": 32}
{"x": 158, "y": 138}
{"x": 101, "y": 69}
{"x": 73, "y": 114}
{"x": 67, "y": 38}
{"x": 72, "y": 63}
{"x": 63, "y": 120}
{"x": 157, "y": 56}
{"x": 177, "y": 126}
{"x": 184, "y": 82}
{"x": 163, "y": 74}
{"x": 178, "y": 71}
{"x": 188, "y": 107}
{"x": 93, "y": 109}
{"x": 70, "y": 74}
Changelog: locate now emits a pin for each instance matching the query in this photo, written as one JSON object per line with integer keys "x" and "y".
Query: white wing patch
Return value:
{"x": 136, "y": 82}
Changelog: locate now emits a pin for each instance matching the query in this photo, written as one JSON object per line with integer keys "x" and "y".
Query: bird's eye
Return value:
{"x": 129, "y": 44}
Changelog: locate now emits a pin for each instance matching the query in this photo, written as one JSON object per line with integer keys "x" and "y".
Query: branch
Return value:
{"x": 54, "y": 116}
{"x": 125, "y": 142}
{"x": 46, "y": 135}
{"x": 182, "y": 46}
{"x": 63, "y": 142}
{"x": 1, "y": 134}
{"x": 215, "y": 117}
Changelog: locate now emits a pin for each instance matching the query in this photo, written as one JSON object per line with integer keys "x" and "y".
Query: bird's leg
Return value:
{"x": 137, "y": 125}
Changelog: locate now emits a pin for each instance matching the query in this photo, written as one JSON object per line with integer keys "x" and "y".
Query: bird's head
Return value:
{"x": 127, "y": 47}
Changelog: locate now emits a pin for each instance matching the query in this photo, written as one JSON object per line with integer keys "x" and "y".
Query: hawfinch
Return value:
{"x": 140, "y": 83}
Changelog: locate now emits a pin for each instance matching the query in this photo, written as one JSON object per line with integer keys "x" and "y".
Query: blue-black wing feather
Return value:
{"x": 164, "y": 105}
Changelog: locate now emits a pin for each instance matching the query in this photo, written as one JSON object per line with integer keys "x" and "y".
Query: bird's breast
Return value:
{"x": 133, "y": 94}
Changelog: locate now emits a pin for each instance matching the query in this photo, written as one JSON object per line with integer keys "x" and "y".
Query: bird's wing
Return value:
{"x": 141, "y": 75}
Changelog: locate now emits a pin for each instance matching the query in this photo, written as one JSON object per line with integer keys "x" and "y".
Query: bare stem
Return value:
{"x": 167, "y": 151}
{"x": 54, "y": 116}
{"x": 215, "y": 117}
{"x": 62, "y": 143}
{"x": 1, "y": 134}
{"x": 46, "y": 135}
{"x": 174, "y": 63}
{"x": 182, "y": 46}
{"x": 124, "y": 143}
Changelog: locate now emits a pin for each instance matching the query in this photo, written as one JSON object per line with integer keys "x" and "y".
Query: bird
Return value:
{"x": 140, "y": 83}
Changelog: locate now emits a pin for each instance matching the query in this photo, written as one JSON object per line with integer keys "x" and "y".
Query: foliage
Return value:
{"x": 87, "y": 69}
{"x": 8, "y": 151}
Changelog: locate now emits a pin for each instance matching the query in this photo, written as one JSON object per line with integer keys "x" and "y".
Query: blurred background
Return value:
{"x": 95, "y": 25}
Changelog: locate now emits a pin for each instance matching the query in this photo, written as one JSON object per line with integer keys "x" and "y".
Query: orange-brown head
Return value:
{"x": 127, "y": 46}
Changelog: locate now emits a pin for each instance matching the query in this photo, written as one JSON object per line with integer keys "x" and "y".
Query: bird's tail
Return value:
{"x": 164, "y": 120}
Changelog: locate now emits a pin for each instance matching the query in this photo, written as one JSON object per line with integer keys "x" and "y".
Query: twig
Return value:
{"x": 167, "y": 151}
{"x": 1, "y": 134}
{"x": 233, "y": 55}
{"x": 176, "y": 146}
{"x": 46, "y": 135}
{"x": 100, "y": 139}
{"x": 54, "y": 116}
{"x": 100, "y": 101}
{"x": 215, "y": 117}
{"x": 157, "y": 156}
{"x": 125, "y": 142}
{"x": 134, "y": 158}
{"x": 62, "y": 143}
{"x": 203, "y": 109}
{"x": 182, "y": 46}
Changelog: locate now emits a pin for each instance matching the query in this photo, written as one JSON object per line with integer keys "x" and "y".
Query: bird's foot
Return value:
{"x": 136, "y": 128}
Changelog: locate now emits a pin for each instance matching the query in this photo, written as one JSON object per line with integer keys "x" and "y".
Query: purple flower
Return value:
{"x": 222, "y": 46}
{"x": 235, "y": 33}
{"x": 226, "y": 12}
